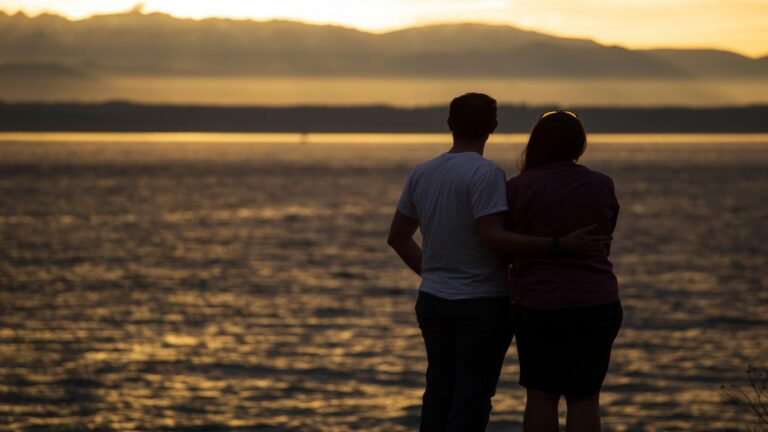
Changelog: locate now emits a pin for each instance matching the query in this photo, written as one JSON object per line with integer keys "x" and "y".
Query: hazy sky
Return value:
{"x": 739, "y": 25}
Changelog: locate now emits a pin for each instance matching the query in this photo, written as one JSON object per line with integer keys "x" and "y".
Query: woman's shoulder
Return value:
{"x": 597, "y": 176}
{"x": 567, "y": 173}
{"x": 517, "y": 180}
{"x": 602, "y": 182}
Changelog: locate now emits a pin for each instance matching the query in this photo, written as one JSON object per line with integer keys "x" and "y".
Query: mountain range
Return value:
{"x": 137, "y": 44}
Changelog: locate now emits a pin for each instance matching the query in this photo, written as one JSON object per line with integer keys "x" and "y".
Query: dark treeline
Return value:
{"x": 125, "y": 117}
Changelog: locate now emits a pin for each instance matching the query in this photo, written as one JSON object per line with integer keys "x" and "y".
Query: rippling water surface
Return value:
{"x": 242, "y": 282}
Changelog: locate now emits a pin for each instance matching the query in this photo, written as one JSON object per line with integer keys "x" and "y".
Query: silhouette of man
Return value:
{"x": 458, "y": 200}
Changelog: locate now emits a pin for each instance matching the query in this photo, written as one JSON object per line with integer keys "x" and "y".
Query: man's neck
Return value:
{"x": 463, "y": 146}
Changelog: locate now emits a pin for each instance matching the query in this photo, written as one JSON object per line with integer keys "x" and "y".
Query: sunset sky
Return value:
{"x": 738, "y": 25}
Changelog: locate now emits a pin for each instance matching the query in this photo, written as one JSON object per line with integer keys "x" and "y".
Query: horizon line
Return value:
{"x": 522, "y": 105}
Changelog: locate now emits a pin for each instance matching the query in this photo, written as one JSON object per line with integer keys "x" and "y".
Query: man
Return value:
{"x": 458, "y": 200}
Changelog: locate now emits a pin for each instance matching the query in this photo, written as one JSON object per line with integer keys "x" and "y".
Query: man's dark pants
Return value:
{"x": 466, "y": 342}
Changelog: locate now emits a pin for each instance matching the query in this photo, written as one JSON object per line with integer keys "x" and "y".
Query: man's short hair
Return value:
{"x": 472, "y": 116}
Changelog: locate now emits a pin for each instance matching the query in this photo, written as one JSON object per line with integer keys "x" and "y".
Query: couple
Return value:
{"x": 511, "y": 258}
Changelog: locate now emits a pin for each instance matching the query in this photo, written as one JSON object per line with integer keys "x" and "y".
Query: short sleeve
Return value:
{"x": 488, "y": 192}
{"x": 405, "y": 204}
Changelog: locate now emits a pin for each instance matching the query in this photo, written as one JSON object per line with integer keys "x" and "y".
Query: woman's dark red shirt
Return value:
{"x": 556, "y": 199}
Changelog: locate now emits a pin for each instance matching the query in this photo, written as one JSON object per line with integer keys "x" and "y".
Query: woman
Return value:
{"x": 567, "y": 306}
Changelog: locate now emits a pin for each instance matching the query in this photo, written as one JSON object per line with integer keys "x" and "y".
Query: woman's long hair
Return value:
{"x": 557, "y": 136}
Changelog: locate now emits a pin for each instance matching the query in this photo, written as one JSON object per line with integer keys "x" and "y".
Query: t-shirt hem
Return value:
{"x": 462, "y": 296}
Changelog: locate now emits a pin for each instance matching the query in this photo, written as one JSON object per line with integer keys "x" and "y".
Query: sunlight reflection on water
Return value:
{"x": 243, "y": 282}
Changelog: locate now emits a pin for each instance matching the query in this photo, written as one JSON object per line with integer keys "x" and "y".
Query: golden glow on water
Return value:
{"x": 359, "y": 138}
{"x": 219, "y": 281}
{"x": 271, "y": 138}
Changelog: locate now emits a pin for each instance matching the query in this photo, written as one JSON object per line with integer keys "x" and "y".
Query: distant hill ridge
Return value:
{"x": 158, "y": 44}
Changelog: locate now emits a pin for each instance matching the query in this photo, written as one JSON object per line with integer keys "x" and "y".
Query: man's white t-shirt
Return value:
{"x": 446, "y": 195}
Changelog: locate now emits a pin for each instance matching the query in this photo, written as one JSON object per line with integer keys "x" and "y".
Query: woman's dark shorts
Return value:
{"x": 566, "y": 351}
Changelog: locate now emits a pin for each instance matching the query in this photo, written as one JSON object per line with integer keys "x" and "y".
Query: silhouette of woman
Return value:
{"x": 566, "y": 306}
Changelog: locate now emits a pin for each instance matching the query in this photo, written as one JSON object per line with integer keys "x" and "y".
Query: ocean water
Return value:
{"x": 243, "y": 282}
